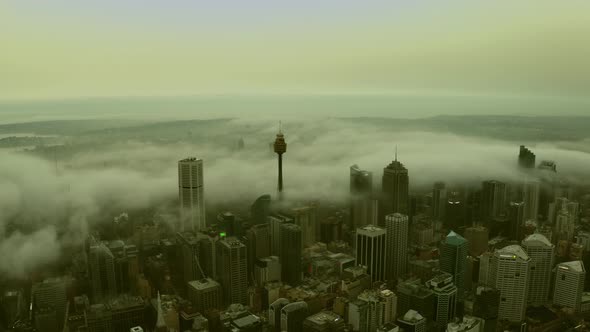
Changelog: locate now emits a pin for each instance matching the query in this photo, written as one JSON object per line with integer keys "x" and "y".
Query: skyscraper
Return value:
{"x": 260, "y": 210}
{"x": 530, "y": 196}
{"x": 290, "y": 257}
{"x": 477, "y": 237}
{"x": 509, "y": 273}
{"x": 190, "y": 191}
{"x": 516, "y": 221}
{"x": 293, "y": 315}
{"x": 381, "y": 307}
{"x": 395, "y": 188}
{"x": 396, "y": 225}
{"x": 258, "y": 244}
{"x": 280, "y": 147}
{"x": 526, "y": 158}
{"x": 542, "y": 253}
{"x": 439, "y": 200}
{"x": 445, "y": 293}
{"x": 371, "y": 252}
{"x": 274, "y": 313}
{"x": 569, "y": 284}
{"x": 232, "y": 270}
{"x": 101, "y": 264}
{"x": 205, "y": 294}
{"x": 363, "y": 208}
{"x": 412, "y": 321}
{"x": 49, "y": 304}
{"x": 453, "y": 259}
{"x": 306, "y": 218}
{"x": 493, "y": 200}
{"x": 455, "y": 211}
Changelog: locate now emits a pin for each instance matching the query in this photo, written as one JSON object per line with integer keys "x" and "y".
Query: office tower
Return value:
{"x": 439, "y": 200}
{"x": 331, "y": 229}
{"x": 370, "y": 242}
{"x": 566, "y": 214}
{"x": 516, "y": 221}
{"x": 381, "y": 307}
{"x": 455, "y": 211}
{"x": 453, "y": 259}
{"x": 526, "y": 158}
{"x": 548, "y": 165}
{"x": 49, "y": 304}
{"x": 190, "y": 191}
{"x": 260, "y": 210}
{"x": 101, "y": 267}
{"x": 325, "y": 321}
{"x": 530, "y": 196}
{"x": 205, "y": 294}
{"x": 477, "y": 237}
{"x": 275, "y": 223}
{"x": 306, "y": 218}
{"x": 267, "y": 269}
{"x": 274, "y": 313}
{"x": 413, "y": 294}
{"x": 542, "y": 253}
{"x": 445, "y": 294}
{"x": 397, "y": 246}
{"x": 569, "y": 284}
{"x": 486, "y": 306}
{"x": 189, "y": 256}
{"x": 13, "y": 306}
{"x": 389, "y": 327}
{"x": 258, "y": 243}
{"x": 232, "y": 270}
{"x": 412, "y": 321}
{"x": 290, "y": 256}
{"x": 362, "y": 205}
{"x": 395, "y": 189}
{"x": 207, "y": 254}
{"x": 493, "y": 200}
{"x": 293, "y": 315}
{"x": 280, "y": 147}
{"x": 126, "y": 265}
{"x": 509, "y": 273}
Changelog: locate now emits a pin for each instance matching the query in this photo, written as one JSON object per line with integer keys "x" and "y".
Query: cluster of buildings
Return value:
{"x": 503, "y": 257}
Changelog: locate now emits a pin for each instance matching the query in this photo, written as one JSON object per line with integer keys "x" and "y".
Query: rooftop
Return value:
{"x": 513, "y": 250}
{"x": 455, "y": 239}
{"x": 203, "y": 283}
{"x": 412, "y": 316}
{"x": 576, "y": 266}
{"x": 537, "y": 237}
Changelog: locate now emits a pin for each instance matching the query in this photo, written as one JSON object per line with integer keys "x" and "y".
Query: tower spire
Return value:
{"x": 280, "y": 127}
{"x": 396, "y": 152}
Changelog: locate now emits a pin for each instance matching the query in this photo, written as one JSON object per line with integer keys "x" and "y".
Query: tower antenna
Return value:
{"x": 280, "y": 127}
{"x": 396, "y": 152}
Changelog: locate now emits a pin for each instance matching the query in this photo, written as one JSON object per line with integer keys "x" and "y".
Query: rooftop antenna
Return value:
{"x": 396, "y": 152}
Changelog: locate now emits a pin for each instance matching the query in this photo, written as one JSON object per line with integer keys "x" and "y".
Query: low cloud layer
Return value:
{"x": 52, "y": 210}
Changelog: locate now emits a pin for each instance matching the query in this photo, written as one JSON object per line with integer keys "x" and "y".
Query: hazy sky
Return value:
{"x": 81, "y": 48}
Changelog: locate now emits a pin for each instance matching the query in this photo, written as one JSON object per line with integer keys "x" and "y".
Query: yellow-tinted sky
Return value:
{"x": 72, "y": 48}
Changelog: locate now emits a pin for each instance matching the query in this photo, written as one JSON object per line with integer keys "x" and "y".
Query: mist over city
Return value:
{"x": 341, "y": 166}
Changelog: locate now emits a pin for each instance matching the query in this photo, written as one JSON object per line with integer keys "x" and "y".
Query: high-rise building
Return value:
{"x": 267, "y": 269}
{"x": 530, "y": 196}
{"x": 486, "y": 306}
{"x": 381, "y": 307}
{"x": 306, "y": 218}
{"x": 412, "y": 321}
{"x": 189, "y": 256}
{"x": 190, "y": 191}
{"x": 232, "y": 270}
{"x": 371, "y": 252}
{"x": 274, "y": 313}
{"x": 526, "y": 158}
{"x": 445, "y": 294}
{"x": 509, "y": 273}
{"x": 516, "y": 221}
{"x": 397, "y": 246}
{"x": 260, "y": 210}
{"x": 542, "y": 253}
{"x": 363, "y": 208}
{"x": 293, "y": 315}
{"x": 49, "y": 304}
{"x": 395, "y": 189}
{"x": 290, "y": 257}
{"x": 477, "y": 237}
{"x": 566, "y": 214}
{"x": 455, "y": 211}
{"x": 101, "y": 267}
{"x": 493, "y": 200}
{"x": 280, "y": 147}
{"x": 258, "y": 243}
{"x": 439, "y": 200}
{"x": 275, "y": 222}
{"x": 453, "y": 259}
{"x": 205, "y": 294}
{"x": 569, "y": 284}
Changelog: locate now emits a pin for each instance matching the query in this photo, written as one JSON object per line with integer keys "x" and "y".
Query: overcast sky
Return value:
{"x": 71, "y": 48}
